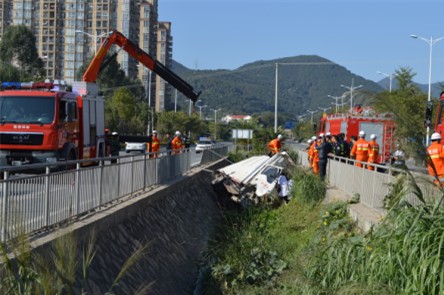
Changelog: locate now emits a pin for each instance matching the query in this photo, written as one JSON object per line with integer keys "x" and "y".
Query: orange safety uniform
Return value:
{"x": 310, "y": 153}
{"x": 436, "y": 154}
{"x": 274, "y": 146}
{"x": 176, "y": 145}
{"x": 155, "y": 147}
{"x": 373, "y": 153}
{"x": 360, "y": 150}
{"x": 315, "y": 159}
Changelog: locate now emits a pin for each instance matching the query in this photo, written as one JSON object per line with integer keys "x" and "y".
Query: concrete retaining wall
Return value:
{"x": 176, "y": 220}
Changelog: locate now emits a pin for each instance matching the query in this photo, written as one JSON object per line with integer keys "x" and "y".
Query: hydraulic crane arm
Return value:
{"x": 141, "y": 56}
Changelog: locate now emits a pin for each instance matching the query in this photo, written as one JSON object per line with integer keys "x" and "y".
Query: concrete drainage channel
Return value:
{"x": 176, "y": 220}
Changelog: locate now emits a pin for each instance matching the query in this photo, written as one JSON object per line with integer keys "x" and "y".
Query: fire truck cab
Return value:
{"x": 44, "y": 123}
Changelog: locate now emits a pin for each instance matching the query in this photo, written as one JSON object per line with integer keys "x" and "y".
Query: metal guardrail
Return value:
{"x": 33, "y": 203}
{"x": 371, "y": 185}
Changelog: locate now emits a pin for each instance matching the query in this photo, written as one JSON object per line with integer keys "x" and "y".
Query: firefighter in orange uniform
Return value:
{"x": 155, "y": 145}
{"x": 373, "y": 152}
{"x": 316, "y": 154}
{"x": 311, "y": 152}
{"x": 309, "y": 142}
{"x": 360, "y": 150}
{"x": 176, "y": 143}
{"x": 274, "y": 146}
{"x": 435, "y": 157}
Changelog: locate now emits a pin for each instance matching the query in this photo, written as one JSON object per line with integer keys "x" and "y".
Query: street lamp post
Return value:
{"x": 200, "y": 109}
{"x": 351, "y": 88}
{"x": 312, "y": 112}
{"x": 276, "y": 100}
{"x": 431, "y": 42}
{"x": 324, "y": 109}
{"x": 336, "y": 98}
{"x": 390, "y": 76}
{"x": 94, "y": 37}
{"x": 215, "y": 121}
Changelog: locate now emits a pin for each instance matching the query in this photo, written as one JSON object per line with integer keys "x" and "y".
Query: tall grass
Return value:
{"x": 23, "y": 272}
{"x": 404, "y": 255}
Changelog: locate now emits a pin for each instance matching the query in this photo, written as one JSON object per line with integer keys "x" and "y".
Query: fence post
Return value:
{"x": 132, "y": 175}
{"x": 144, "y": 172}
{"x": 46, "y": 209}
{"x": 118, "y": 178}
{"x": 4, "y": 220}
{"x": 77, "y": 188}
{"x": 102, "y": 165}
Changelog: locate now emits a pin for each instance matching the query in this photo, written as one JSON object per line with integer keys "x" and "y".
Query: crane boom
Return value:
{"x": 147, "y": 60}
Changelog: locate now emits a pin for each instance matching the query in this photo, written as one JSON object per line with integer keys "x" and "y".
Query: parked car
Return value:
{"x": 135, "y": 147}
{"x": 203, "y": 144}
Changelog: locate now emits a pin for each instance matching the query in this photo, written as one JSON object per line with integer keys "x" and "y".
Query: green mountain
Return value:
{"x": 304, "y": 83}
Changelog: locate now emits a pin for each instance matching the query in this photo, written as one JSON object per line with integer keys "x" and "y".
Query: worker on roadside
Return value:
{"x": 311, "y": 151}
{"x": 360, "y": 150}
{"x": 154, "y": 147}
{"x": 435, "y": 158}
{"x": 373, "y": 152}
{"x": 316, "y": 154}
{"x": 274, "y": 146}
{"x": 168, "y": 140}
{"x": 176, "y": 143}
{"x": 324, "y": 151}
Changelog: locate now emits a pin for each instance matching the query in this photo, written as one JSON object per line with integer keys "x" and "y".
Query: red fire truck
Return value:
{"x": 363, "y": 118}
{"x": 45, "y": 123}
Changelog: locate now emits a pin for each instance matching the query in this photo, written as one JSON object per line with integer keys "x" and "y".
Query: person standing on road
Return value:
{"x": 435, "y": 157}
{"x": 155, "y": 145}
{"x": 324, "y": 150}
{"x": 274, "y": 146}
{"x": 373, "y": 152}
{"x": 169, "y": 145}
{"x": 176, "y": 143}
{"x": 360, "y": 150}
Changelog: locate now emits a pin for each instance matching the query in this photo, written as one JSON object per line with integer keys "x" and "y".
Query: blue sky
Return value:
{"x": 363, "y": 36}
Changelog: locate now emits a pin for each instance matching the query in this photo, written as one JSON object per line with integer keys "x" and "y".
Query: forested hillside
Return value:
{"x": 303, "y": 84}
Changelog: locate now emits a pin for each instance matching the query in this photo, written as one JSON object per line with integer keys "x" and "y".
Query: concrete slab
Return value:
{"x": 365, "y": 216}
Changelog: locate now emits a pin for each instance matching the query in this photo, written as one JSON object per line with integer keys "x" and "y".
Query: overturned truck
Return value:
{"x": 252, "y": 180}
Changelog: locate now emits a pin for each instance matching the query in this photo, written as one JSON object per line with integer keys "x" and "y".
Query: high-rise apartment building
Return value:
{"x": 164, "y": 55}
{"x": 69, "y": 32}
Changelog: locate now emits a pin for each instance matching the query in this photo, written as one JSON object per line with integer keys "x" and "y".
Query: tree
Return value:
{"x": 9, "y": 73}
{"x": 18, "y": 46}
{"x": 408, "y": 104}
{"x": 122, "y": 113}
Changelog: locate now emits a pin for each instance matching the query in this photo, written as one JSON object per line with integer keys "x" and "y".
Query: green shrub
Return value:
{"x": 307, "y": 187}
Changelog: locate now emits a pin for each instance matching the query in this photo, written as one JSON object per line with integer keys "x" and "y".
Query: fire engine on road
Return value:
{"x": 45, "y": 123}
{"x": 363, "y": 118}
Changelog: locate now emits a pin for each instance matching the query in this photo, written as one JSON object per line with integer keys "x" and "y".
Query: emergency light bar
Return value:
{"x": 27, "y": 85}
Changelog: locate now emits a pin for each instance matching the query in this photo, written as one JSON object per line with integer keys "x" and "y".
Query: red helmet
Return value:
{"x": 106, "y": 130}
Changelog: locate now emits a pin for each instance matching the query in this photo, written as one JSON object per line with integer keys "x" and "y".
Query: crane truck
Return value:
{"x": 45, "y": 123}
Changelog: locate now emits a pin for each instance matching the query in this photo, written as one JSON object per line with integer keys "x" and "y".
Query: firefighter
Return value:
{"x": 176, "y": 143}
{"x": 274, "y": 146}
{"x": 373, "y": 152}
{"x": 435, "y": 157}
{"x": 323, "y": 150}
{"x": 316, "y": 155}
{"x": 155, "y": 145}
{"x": 311, "y": 152}
{"x": 360, "y": 150}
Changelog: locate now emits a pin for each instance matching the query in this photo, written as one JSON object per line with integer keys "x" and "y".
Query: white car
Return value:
{"x": 203, "y": 144}
{"x": 135, "y": 147}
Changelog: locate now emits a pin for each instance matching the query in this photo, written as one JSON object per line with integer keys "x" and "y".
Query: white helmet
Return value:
{"x": 114, "y": 133}
{"x": 373, "y": 136}
{"x": 309, "y": 141}
{"x": 436, "y": 136}
{"x": 362, "y": 133}
{"x": 328, "y": 134}
{"x": 177, "y": 133}
{"x": 279, "y": 136}
{"x": 154, "y": 131}
{"x": 313, "y": 138}
{"x": 321, "y": 135}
